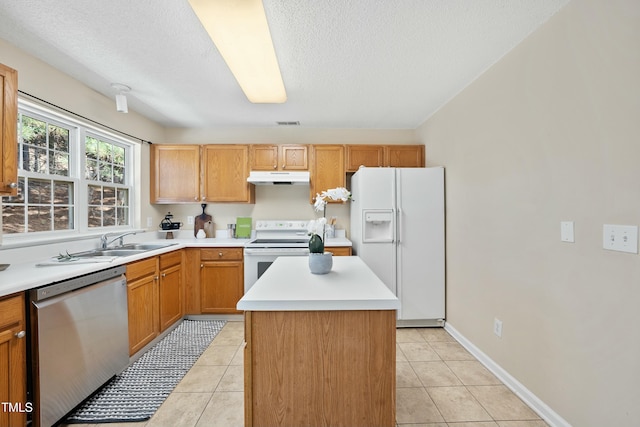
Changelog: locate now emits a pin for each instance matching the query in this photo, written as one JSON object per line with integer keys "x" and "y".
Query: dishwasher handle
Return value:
{"x": 46, "y": 302}
{"x": 79, "y": 282}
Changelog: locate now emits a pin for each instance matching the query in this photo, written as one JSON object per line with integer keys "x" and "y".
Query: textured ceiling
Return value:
{"x": 345, "y": 63}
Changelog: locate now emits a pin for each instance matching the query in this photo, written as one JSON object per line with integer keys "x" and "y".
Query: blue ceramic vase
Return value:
{"x": 320, "y": 263}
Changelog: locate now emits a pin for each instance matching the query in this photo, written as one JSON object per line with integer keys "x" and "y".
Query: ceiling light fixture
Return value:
{"x": 121, "y": 98}
{"x": 240, "y": 31}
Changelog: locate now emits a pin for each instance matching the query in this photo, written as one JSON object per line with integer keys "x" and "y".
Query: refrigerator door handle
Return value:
{"x": 399, "y": 222}
{"x": 394, "y": 229}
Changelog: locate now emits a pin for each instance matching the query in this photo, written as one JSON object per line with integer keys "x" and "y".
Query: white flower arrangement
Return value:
{"x": 334, "y": 194}
{"x": 316, "y": 227}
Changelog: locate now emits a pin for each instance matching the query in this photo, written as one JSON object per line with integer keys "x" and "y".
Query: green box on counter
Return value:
{"x": 243, "y": 227}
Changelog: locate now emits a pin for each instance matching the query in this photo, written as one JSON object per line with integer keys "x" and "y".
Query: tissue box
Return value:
{"x": 243, "y": 227}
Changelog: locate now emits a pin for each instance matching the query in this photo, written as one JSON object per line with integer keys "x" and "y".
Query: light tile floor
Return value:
{"x": 439, "y": 384}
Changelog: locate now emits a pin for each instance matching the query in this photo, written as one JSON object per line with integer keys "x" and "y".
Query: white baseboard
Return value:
{"x": 541, "y": 408}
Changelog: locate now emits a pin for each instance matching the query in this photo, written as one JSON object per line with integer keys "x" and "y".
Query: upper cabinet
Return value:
{"x": 175, "y": 173}
{"x": 399, "y": 156}
{"x": 193, "y": 173}
{"x": 404, "y": 156}
{"x": 266, "y": 157}
{"x": 8, "y": 133}
{"x": 225, "y": 169}
{"x": 218, "y": 172}
{"x": 364, "y": 155}
{"x": 327, "y": 168}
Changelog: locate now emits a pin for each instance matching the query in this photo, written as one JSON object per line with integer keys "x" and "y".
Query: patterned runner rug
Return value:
{"x": 138, "y": 392}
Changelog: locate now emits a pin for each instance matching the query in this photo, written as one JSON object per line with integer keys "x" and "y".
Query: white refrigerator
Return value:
{"x": 397, "y": 228}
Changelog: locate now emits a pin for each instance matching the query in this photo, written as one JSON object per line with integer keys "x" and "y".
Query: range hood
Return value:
{"x": 278, "y": 178}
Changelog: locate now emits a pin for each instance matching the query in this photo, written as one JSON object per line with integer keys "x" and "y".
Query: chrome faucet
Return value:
{"x": 105, "y": 242}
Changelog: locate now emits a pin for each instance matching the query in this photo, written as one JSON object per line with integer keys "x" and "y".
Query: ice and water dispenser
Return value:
{"x": 377, "y": 226}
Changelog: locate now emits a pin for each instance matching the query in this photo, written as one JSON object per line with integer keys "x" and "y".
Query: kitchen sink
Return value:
{"x": 119, "y": 252}
{"x": 126, "y": 250}
{"x": 144, "y": 246}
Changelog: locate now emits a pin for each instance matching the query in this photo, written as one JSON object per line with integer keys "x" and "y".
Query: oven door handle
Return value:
{"x": 266, "y": 251}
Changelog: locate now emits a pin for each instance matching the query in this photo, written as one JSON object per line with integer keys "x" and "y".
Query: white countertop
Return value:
{"x": 22, "y": 276}
{"x": 288, "y": 285}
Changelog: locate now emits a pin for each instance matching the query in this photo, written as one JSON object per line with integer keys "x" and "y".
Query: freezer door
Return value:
{"x": 420, "y": 243}
{"x": 373, "y": 196}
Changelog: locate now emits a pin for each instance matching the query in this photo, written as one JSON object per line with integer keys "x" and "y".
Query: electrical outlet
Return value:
{"x": 497, "y": 327}
{"x": 149, "y": 221}
{"x": 190, "y": 220}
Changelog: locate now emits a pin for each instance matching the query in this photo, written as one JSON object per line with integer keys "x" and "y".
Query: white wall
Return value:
{"x": 549, "y": 134}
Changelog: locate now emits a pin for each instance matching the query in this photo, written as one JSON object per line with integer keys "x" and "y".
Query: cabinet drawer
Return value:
{"x": 170, "y": 259}
{"x": 11, "y": 310}
{"x": 142, "y": 268}
{"x": 225, "y": 254}
{"x": 339, "y": 250}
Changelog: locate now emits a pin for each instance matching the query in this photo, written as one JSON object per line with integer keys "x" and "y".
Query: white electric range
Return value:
{"x": 274, "y": 238}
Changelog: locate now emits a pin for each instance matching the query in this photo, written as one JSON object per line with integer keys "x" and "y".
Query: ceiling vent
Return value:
{"x": 288, "y": 123}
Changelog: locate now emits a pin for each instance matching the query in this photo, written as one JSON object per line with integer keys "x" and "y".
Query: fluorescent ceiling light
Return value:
{"x": 240, "y": 31}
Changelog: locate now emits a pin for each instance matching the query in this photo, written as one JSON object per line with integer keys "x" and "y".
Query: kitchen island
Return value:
{"x": 320, "y": 349}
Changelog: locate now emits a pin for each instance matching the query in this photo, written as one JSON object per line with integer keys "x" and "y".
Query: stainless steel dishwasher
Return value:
{"x": 80, "y": 340}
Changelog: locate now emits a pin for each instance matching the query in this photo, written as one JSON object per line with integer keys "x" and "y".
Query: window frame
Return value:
{"x": 79, "y": 130}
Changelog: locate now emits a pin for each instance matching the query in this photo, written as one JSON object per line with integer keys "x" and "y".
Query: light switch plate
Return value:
{"x": 622, "y": 238}
{"x": 566, "y": 231}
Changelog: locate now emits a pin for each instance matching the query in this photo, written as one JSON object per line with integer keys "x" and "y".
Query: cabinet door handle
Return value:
{"x": 20, "y": 334}
{"x": 275, "y": 166}
{"x": 155, "y": 278}
{"x": 195, "y": 198}
{"x": 201, "y": 265}
{"x": 220, "y": 254}
{"x": 284, "y": 166}
{"x": 164, "y": 274}
{"x": 13, "y": 185}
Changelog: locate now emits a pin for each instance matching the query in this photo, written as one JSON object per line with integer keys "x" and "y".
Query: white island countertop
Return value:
{"x": 288, "y": 285}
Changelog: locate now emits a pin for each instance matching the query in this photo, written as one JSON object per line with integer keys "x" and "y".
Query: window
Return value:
{"x": 63, "y": 166}
{"x": 108, "y": 195}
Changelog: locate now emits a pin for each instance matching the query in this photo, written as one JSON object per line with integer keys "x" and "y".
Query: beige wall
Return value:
{"x": 551, "y": 133}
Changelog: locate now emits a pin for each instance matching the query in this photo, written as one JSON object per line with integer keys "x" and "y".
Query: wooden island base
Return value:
{"x": 320, "y": 368}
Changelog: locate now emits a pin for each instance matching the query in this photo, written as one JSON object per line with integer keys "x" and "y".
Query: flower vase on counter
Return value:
{"x": 320, "y": 262}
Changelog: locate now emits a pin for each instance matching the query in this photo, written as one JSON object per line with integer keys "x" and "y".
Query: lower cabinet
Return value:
{"x": 339, "y": 250}
{"x": 154, "y": 292}
{"x": 13, "y": 361}
{"x": 170, "y": 290}
{"x": 221, "y": 280}
{"x": 142, "y": 300}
